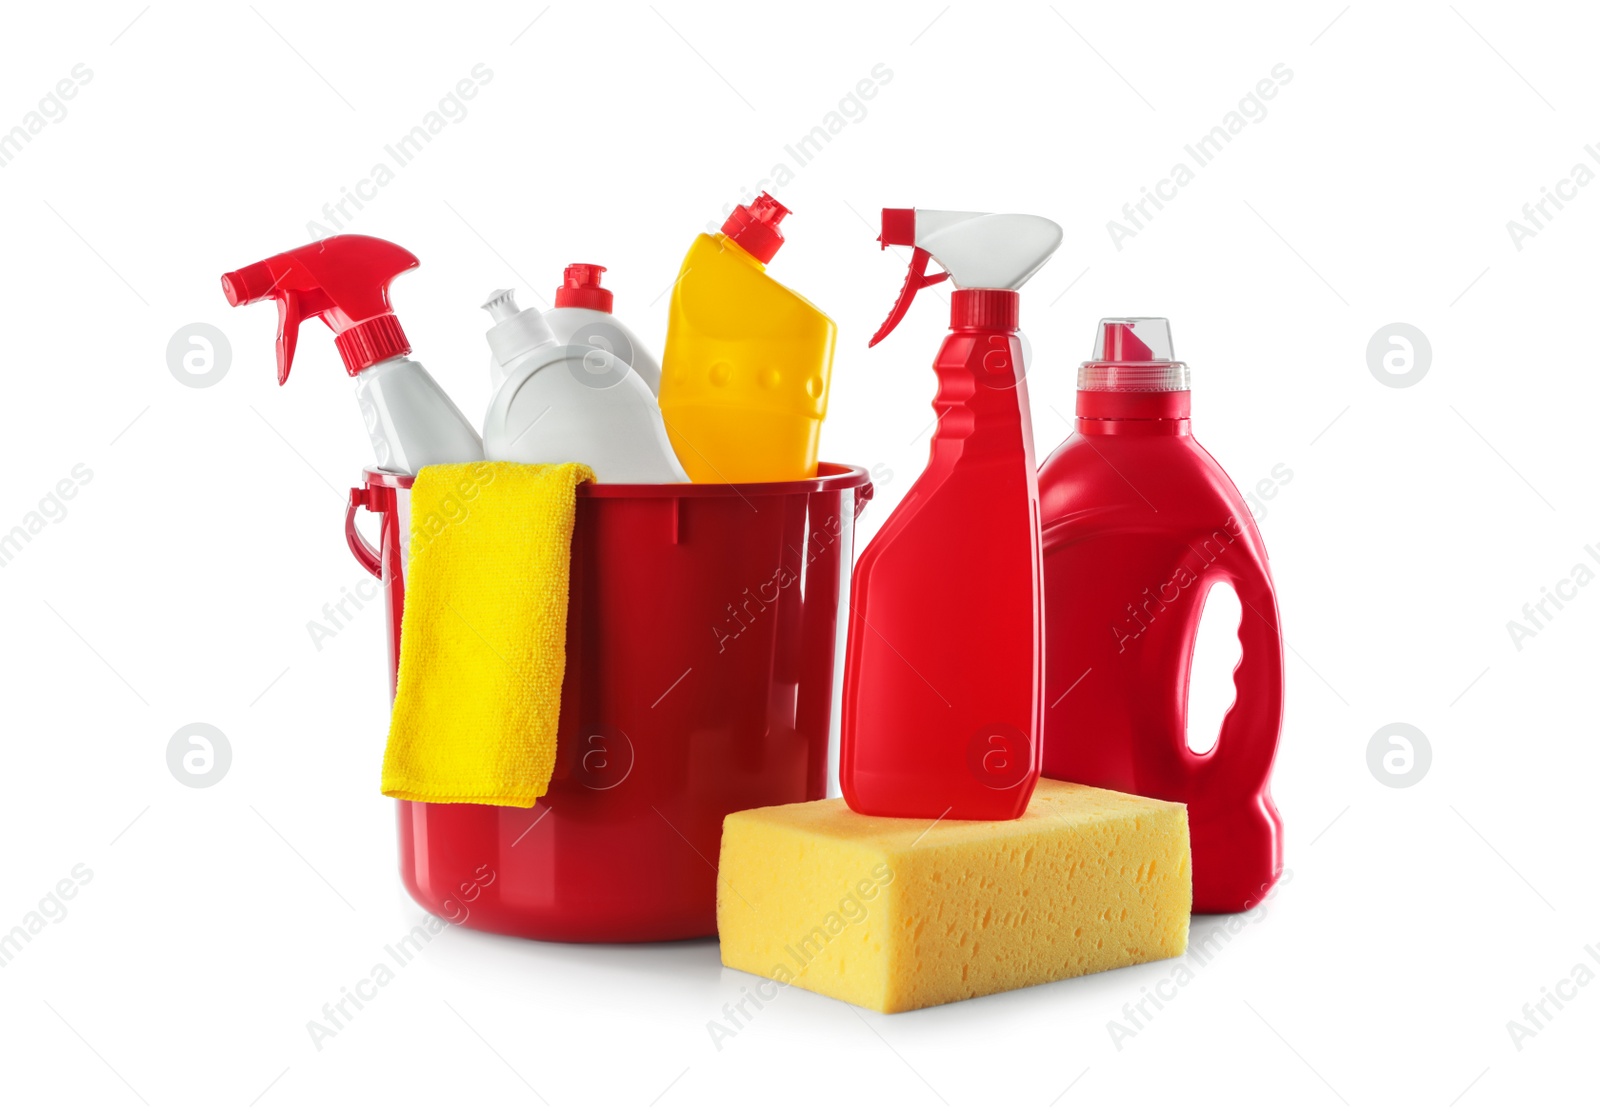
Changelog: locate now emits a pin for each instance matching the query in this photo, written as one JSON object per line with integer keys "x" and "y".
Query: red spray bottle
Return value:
{"x": 1139, "y": 524}
{"x": 941, "y": 710}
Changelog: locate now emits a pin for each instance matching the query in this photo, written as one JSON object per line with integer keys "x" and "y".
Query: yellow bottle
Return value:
{"x": 744, "y": 377}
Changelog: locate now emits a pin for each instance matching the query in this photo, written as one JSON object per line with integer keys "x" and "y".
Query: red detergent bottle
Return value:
{"x": 1139, "y": 524}
{"x": 942, "y": 678}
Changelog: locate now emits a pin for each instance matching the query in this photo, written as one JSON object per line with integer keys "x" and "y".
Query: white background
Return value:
{"x": 178, "y": 588}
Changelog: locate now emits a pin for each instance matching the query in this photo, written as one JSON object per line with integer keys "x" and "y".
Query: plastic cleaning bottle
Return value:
{"x": 1139, "y": 524}
{"x": 344, "y": 280}
{"x": 515, "y": 333}
{"x": 747, "y": 362}
{"x": 571, "y": 402}
{"x": 582, "y": 315}
{"x": 942, "y": 678}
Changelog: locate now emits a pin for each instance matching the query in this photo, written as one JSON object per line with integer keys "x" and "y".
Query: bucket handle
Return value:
{"x": 864, "y": 494}
{"x": 367, "y": 556}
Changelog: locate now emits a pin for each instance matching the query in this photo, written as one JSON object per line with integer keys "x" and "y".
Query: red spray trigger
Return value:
{"x": 344, "y": 280}
{"x": 900, "y": 230}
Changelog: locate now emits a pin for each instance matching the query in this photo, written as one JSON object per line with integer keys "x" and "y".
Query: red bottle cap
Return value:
{"x": 1133, "y": 355}
{"x": 371, "y": 342}
{"x": 1133, "y": 375}
{"x": 754, "y": 227}
{"x": 581, "y": 289}
{"x": 984, "y": 310}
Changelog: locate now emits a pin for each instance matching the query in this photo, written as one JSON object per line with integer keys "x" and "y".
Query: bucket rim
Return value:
{"x": 829, "y": 477}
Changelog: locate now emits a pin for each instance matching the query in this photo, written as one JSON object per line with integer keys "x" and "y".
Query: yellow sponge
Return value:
{"x": 896, "y": 914}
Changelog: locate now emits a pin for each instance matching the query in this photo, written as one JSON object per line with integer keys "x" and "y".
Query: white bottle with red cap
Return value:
{"x": 572, "y": 402}
{"x": 582, "y": 315}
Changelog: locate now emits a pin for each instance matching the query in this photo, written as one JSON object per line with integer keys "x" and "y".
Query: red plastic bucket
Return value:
{"x": 703, "y": 651}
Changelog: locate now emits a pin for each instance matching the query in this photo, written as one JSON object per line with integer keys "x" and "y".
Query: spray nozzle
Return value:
{"x": 344, "y": 280}
{"x": 978, "y": 250}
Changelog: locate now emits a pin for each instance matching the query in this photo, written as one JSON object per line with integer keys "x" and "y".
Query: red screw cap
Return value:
{"x": 754, "y": 227}
{"x": 581, "y": 289}
{"x": 371, "y": 342}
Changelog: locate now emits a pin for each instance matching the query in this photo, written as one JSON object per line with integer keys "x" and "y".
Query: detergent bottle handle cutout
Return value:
{"x": 1232, "y": 816}
{"x": 1243, "y": 750}
{"x": 1247, "y": 738}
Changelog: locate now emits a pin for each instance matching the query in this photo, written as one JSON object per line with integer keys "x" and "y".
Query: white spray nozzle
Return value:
{"x": 985, "y": 250}
{"x": 501, "y": 305}
{"x": 978, "y": 250}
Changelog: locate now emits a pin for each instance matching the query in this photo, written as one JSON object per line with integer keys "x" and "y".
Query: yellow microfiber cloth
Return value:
{"x": 483, "y": 636}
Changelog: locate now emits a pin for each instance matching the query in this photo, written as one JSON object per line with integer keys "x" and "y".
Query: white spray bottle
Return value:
{"x": 344, "y": 281}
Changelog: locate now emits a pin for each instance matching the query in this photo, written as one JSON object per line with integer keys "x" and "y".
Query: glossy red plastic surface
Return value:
{"x": 942, "y": 678}
{"x": 754, "y": 227}
{"x": 1139, "y": 523}
{"x": 917, "y": 278}
{"x": 581, "y": 289}
{"x": 344, "y": 281}
{"x": 700, "y": 672}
